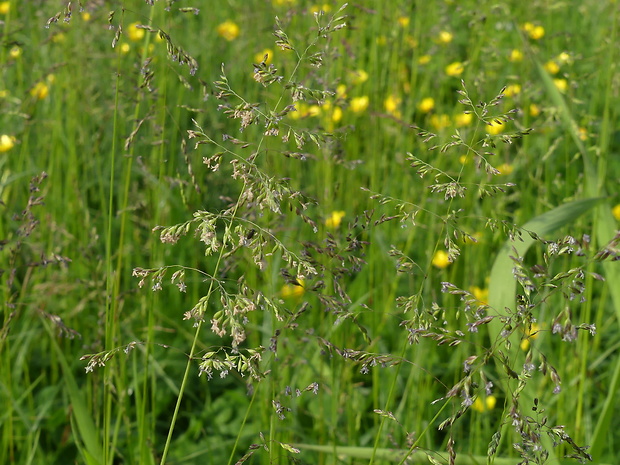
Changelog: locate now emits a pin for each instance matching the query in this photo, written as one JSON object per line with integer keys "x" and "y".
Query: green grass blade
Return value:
{"x": 86, "y": 428}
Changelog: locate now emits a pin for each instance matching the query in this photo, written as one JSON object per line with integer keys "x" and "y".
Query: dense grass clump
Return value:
{"x": 281, "y": 231}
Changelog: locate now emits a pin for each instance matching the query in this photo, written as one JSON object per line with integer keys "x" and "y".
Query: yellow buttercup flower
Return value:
{"x": 5, "y": 7}
{"x": 505, "y": 169}
{"x": 532, "y": 333}
{"x": 488, "y": 404}
{"x": 6, "y": 142}
{"x": 440, "y": 122}
{"x": 336, "y": 114}
{"x": 403, "y": 21}
{"x": 516, "y": 55}
{"x": 40, "y": 90}
{"x": 535, "y": 32}
{"x": 326, "y": 8}
{"x": 359, "y": 104}
{"x": 583, "y": 133}
{"x": 293, "y": 290}
{"x": 440, "y": 259}
{"x": 614, "y": 211}
{"x": 426, "y": 104}
{"x": 561, "y": 84}
{"x": 134, "y": 33}
{"x": 86, "y": 16}
{"x": 228, "y": 30}
{"x": 463, "y": 119}
{"x": 424, "y": 59}
{"x": 495, "y": 127}
{"x": 455, "y": 69}
{"x": 482, "y": 295}
{"x": 259, "y": 57}
{"x": 392, "y": 104}
{"x": 15, "y": 52}
{"x": 534, "y": 110}
{"x": 552, "y": 67}
{"x": 125, "y": 47}
{"x": 334, "y": 220}
{"x": 445, "y": 37}
{"x": 359, "y": 76}
{"x": 512, "y": 90}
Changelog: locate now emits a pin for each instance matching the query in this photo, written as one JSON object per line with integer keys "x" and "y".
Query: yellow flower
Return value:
{"x": 516, "y": 55}
{"x": 426, "y": 104}
{"x": 482, "y": 295}
{"x": 440, "y": 122}
{"x": 359, "y": 104}
{"x": 463, "y": 119}
{"x": 440, "y": 260}
{"x": 534, "y": 110}
{"x": 531, "y": 333}
{"x": 15, "y": 52}
{"x": 552, "y": 67}
{"x": 512, "y": 90}
{"x": 125, "y": 47}
{"x": 40, "y": 90}
{"x": 313, "y": 110}
{"x": 464, "y": 159}
{"x": 334, "y": 219}
{"x": 488, "y": 404}
{"x": 359, "y": 77}
{"x": 583, "y": 133}
{"x": 86, "y": 16}
{"x": 424, "y": 59}
{"x": 6, "y": 143}
{"x": 535, "y": 32}
{"x": 326, "y": 7}
{"x": 259, "y": 57}
{"x": 454, "y": 69}
{"x": 505, "y": 169}
{"x": 341, "y": 91}
{"x": 564, "y": 58}
{"x": 4, "y": 93}
{"x": 5, "y": 7}
{"x": 336, "y": 114}
{"x": 561, "y": 84}
{"x": 293, "y": 290}
{"x": 228, "y": 30}
{"x": 403, "y": 21}
{"x": 494, "y": 127}
{"x": 391, "y": 105}
{"x": 614, "y": 211}
{"x": 445, "y": 37}
{"x": 282, "y": 2}
{"x": 59, "y": 38}
{"x": 134, "y": 33}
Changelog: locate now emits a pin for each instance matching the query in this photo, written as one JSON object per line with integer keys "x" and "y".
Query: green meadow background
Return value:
{"x": 407, "y": 256}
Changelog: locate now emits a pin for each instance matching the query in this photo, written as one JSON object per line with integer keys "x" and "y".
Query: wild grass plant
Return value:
{"x": 280, "y": 231}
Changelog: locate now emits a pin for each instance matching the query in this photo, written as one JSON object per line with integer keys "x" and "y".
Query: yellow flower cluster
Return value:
{"x": 488, "y": 404}
{"x": 533, "y": 31}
